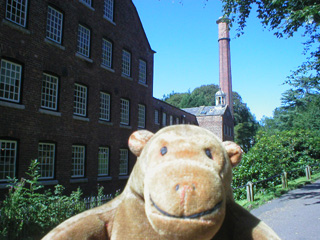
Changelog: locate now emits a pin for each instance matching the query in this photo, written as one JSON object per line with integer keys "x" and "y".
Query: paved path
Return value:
{"x": 295, "y": 215}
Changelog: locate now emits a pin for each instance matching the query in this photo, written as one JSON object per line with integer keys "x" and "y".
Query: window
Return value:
{"x": 8, "y": 158}
{"x": 103, "y": 166}
{"x": 54, "y": 25}
{"x": 46, "y": 156}
{"x": 164, "y": 119}
{"x": 171, "y": 120}
{"x": 104, "y": 106}
{"x": 183, "y": 121}
{"x": 123, "y": 166}
{"x": 108, "y": 9}
{"x": 124, "y": 111}
{"x": 156, "y": 117}
{"x": 83, "y": 41}
{"x": 126, "y": 63}
{"x": 177, "y": 120}
{"x": 10, "y": 81}
{"x": 80, "y": 100}
{"x": 78, "y": 158}
{"x": 16, "y": 11}
{"x": 141, "y": 116}
{"x": 106, "y": 53}
{"x": 87, "y": 2}
{"x": 142, "y": 71}
{"x": 49, "y": 92}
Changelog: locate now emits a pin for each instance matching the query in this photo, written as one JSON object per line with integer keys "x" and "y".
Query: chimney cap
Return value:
{"x": 223, "y": 19}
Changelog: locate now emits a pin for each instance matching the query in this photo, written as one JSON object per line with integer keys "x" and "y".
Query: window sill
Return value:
{"x": 52, "y": 43}
{"x": 84, "y": 58}
{"x": 79, "y": 180}
{"x": 110, "y": 21}
{"x": 143, "y": 84}
{"x": 127, "y": 77}
{"x": 125, "y": 126}
{"x": 105, "y": 123}
{"x": 107, "y": 68}
{"x": 123, "y": 177}
{"x": 50, "y": 112}
{"x": 48, "y": 182}
{"x": 103, "y": 179}
{"x": 85, "y": 119}
{"x": 12, "y": 105}
{"x": 86, "y": 5}
{"x": 15, "y": 26}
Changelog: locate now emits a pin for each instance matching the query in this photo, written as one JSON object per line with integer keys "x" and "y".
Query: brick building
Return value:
{"x": 76, "y": 80}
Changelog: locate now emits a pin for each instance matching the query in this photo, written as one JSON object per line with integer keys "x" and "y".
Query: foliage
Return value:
{"x": 284, "y": 17}
{"x": 300, "y": 107}
{"x": 28, "y": 212}
{"x": 275, "y": 153}
{"x": 201, "y": 96}
{"x": 245, "y": 123}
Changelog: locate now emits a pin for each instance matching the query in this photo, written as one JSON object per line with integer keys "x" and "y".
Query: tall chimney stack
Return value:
{"x": 225, "y": 61}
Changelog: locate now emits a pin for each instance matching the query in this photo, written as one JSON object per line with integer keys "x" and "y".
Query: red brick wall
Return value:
{"x": 25, "y": 123}
{"x": 29, "y": 126}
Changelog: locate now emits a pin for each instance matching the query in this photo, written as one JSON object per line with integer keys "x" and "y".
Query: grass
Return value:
{"x": 263, "y": 196}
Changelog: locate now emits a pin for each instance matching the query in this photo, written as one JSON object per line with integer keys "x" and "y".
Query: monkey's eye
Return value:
{"x": 208, "y": 153}
{"x": 163, "y": 150}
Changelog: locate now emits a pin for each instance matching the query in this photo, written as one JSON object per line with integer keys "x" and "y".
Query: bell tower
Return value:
{"x": 225, "y": 80}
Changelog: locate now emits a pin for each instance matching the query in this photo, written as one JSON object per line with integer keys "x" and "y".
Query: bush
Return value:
{"x": 275, "y": 153}
{"x": 28, "y": 212}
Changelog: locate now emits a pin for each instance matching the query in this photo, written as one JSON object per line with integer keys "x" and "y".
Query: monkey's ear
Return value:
{"x": 234, "y": 152}
{"x": 138, "y": 140}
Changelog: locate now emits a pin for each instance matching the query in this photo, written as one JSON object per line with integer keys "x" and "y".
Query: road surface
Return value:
{"x": 295, "y": 215}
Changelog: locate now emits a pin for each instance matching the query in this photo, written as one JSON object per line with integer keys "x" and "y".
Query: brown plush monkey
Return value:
{"x": 180, "y": 188}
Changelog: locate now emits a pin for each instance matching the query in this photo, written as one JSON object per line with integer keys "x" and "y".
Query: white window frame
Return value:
{"x": 10, "y": 81}
{"x": 108, "y": 9}
{"x": 78, "y": 160}
{"x": 123, "y": 162}
{"x": 164, "y": 119}
{"x": 126, "y": 63}
{"x": 177, "y": 120}
{"x": 49, "y": 92}
{"x": 17, "y": 15}
{"x": 105, "y": 104}
{"x": 46, "y": 159}
{"x": 156, "y": 117}
{"x": 80, "y": 100}
{"x": 103, "y": 161}
{"x": 54, "y": 25}
{"x": 142, "y": 71}
{"x": 124, "y": 111}
{"x": 106, "y": 53}
{"x": 171, "y": 120}
{"x": 84, "y": 35}
{"x": 141, "y": 116}
{"x": 8, "y": 159}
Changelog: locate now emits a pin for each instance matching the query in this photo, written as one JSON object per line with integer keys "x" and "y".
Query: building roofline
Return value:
{"x": 141, "y": 25}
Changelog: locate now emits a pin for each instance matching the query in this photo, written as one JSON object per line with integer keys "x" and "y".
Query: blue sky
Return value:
{"x": 185, "y": 37}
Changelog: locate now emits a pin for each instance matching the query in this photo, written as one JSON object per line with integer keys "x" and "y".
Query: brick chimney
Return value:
{"x": 224, "y": 61}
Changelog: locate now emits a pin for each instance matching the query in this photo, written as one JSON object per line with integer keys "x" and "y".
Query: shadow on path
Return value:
{"x": 310, "y": 191}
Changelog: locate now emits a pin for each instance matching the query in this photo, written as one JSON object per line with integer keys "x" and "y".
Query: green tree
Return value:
{"x": 299, "y": 109}
{"x": 285, "y": 18}
{"x": 245, "y": 123}
{"x": 201, "y": 96}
